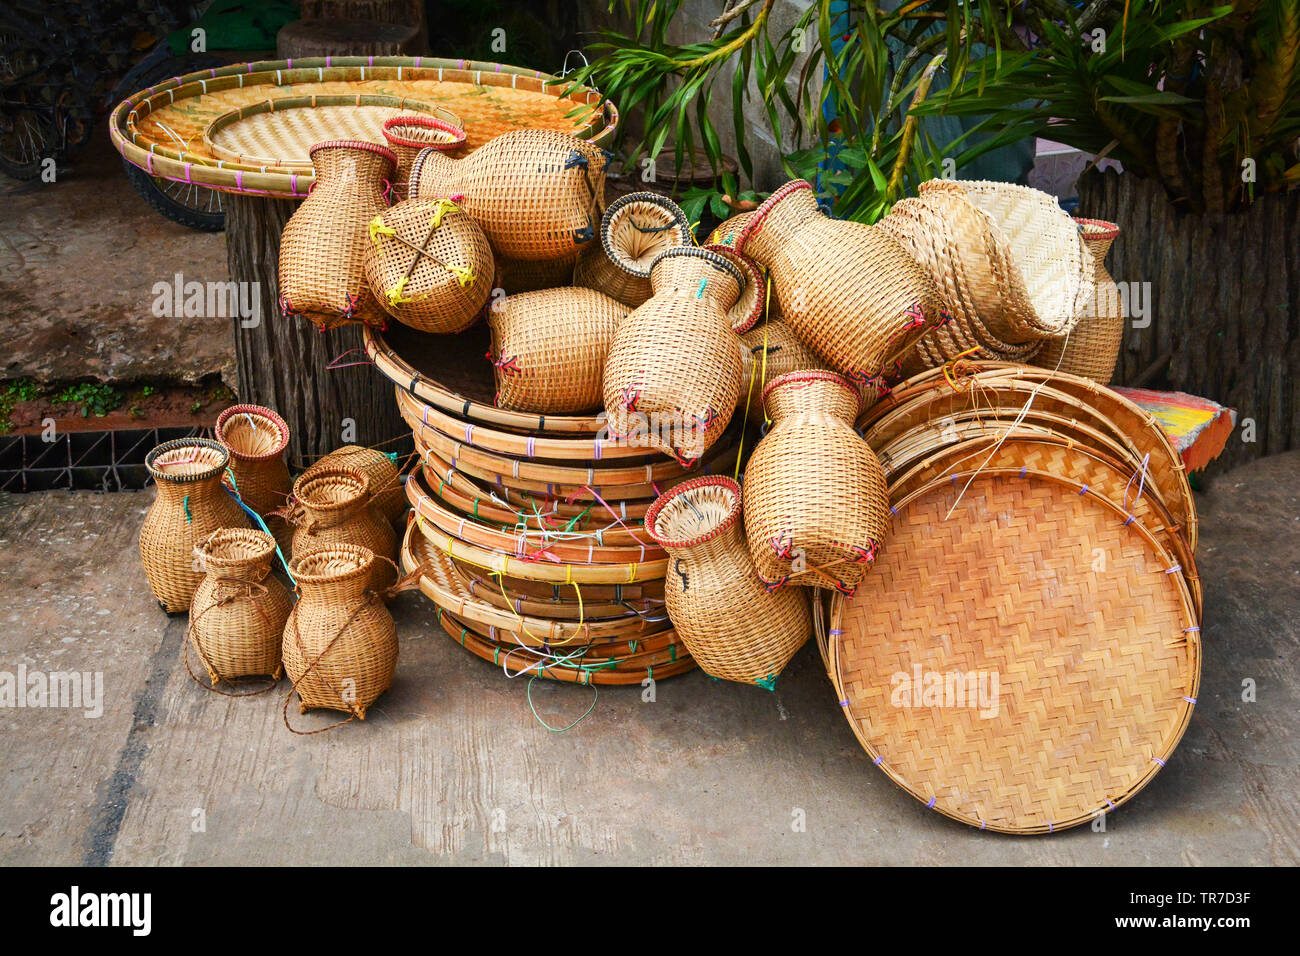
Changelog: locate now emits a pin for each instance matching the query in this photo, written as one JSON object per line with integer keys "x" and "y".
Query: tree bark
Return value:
{"x": 308, "y": 38}
{"x": 1225, "y": 297}
{"x": 282, "y": 363}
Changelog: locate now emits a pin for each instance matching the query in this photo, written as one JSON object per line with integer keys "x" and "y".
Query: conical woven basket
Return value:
{"x": 239, "y": 610}
{"x": 549, "y": 348}
{"x": 635, "y": 229}
{"x": 816, "y": 504}
{"x": 1091, "y": 349}
{"x": 191, "y": 504}
{"x": 332, "y": 506}
{"x": 323, "y": 247}
{"x": 381, "y": 471}
{"x": 340, "y": 643}
{"x": 429, "y": 265}
{"x": 735, "y": 627}
{"x": 410, "y": 133}
{"x": 538, "y": 194}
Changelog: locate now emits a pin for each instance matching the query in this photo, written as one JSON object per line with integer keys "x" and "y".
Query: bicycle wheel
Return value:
{"x": 29, "y": 134}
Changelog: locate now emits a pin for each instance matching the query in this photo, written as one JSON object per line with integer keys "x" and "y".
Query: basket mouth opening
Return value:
{"x": 331, "y": 489}
{"x": 638, "y": 226}
{"x": 1095, "y": 230}
{"x": 252, "y": 433}
{"x": 756, "y": 221}
{"x": 749, "y": 306}
{"x": 337, "y": 562}
{"x": 721, "y": 263}
{"x": 232, "y": 547}
{"x": 187, "y": 459}
{"x": 810, "y": 375}
{"x": 678, "y": 521}
{"x": 375, "y": 148}
{"x": 434, "y": 133}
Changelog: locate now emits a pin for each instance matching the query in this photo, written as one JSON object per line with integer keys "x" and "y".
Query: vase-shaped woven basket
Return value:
{"x": 323, "y": 247}
{"x": 238, "y": 613}
{"x": 340, "y": 643}
{"x": 769, "y": 351}
{"x": 256, "y": 438}
{"x": 816, "y": 504}
{"x": 549, "y": 348}
{"x": 538, "y": 194}
{"x": 333, "y": 506}
{"x": 735, "y": 627}
{"x": 429, "y": 265}
{"x": 191, "y": 504}
{"x": 1091, "y": 348}
{"x": 382, "y": 474}
{"x": 848, "y": 290}
{"x": 410, "y": 133}
{"x": 635, "y": 229}
{"x": 995, "y": 668}
{"x": 673, "y": 374}
{"x": 753, "y": 294}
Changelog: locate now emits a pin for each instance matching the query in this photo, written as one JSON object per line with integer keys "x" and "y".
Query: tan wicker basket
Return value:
{"x": 538, "y": 194}
{"x": 332, "y": 506}
{"x": 256, "y": 438}
{"x": 385, "y": 480}
{"x": 429, "y": 265}
{"x": 635, "y": 229}
{"x": 410, "y": 133}
{"x": 735, "y": 627}
{"x": 769, "y": 351}
{"x": 753, "y": 294}
{"x": 849, "y": 291}
{"x": 190, "y": 505}
{"x": 323, "y": 247}
{"x": 1092, "y": 348}
{"x": 816, "y": 504}
{"x": 549, "y": 348}
{"x": 239, "y": 610}
{"x": 340, "y": 643}
{"x": 673, "y": 374}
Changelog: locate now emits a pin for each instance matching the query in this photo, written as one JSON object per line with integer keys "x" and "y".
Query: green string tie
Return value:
{"x": 768, "y": 682}
{"x": 189, "y": 518}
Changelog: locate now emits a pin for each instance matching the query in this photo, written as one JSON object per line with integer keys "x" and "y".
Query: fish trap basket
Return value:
{"x": 753, "y": 293}
{"x": 332, "y": 506}
{"x": 410, "y": 133}
{"x": 239, "y": 610}
{"x": 635, "y": 229}
{"x": 429, "y": 265}
{"x": 735, "y": 627}
{"x": 382, "y": 473}
{"x": 767, "y": 352}
{"x": 1091, "y": 349}
{"x": 549, "y": 348}
{"x": 256, "y": 438}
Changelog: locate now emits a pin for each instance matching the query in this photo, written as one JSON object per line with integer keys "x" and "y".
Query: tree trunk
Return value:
{"x": 282, "y": 363}
{"x": 307, "y": 38}
{"x": 1225, "y": 304}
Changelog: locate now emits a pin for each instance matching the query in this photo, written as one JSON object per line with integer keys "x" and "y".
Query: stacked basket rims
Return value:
{"x": 530, "y": 528}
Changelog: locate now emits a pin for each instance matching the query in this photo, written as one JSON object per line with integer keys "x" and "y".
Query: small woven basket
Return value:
{"x": 256, "y": 438}
{"x": 340, "y": 643}
{"x": 537, "y": 193}
{"x": 409, "y": 134}
{"x": 332, "y": 506}
{"x": 239, "y": 610}
{"x": 549, "y": 348}
{"x": 735, "y": 627}
{"x": 816, "y": 503}
{"x": 635, "y": 229}
{"x": 386, "y": 494}
{"x": 673, "y": 375}
{"x": 753, "y": 294}
{"x": 1092, "y": 348}
{"x": 191, "y": 504}
{"x": 767, "y": 352}
{"x": 429, "y": 265}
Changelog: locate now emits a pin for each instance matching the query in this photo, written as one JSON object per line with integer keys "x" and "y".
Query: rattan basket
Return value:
{"x": 323, "y": 247}
{"x": 1091, "y": 349}
{"x": 849, "y": 291}
{"x": 385, "y": 479}
{"x": 256, "y": 438}
{"x": 538, "y": 194}
{"x": 332, "y": 506}
{"x": 239, "y": 610}
{"x": 735, "y": 627}
{"x": 340, "y": 643}
{"x": 549, "y": 348}
{"x": 635, "y": 229}
{"x": 1097, "y": 662}
{"x": 408, "y": 134}
{"x": 429, "y": 265}
{"x": 191, "y": 504}
{"x": 816, "y": 504}
{"x": 767, "y": 352}
{"x": 673, "y": 374}
{"x": 753, "y": 294}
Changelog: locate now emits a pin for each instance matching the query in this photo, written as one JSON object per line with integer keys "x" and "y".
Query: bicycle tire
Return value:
{"x": 153, "y": 192}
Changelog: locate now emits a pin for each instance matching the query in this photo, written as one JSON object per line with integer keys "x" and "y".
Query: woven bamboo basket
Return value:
{"x": 239, "y": 610}
{"x": 816, "y": 504}
{"x": 538, "y": 194}
{"x": 256, "y": 438}
{"x": 385, "y": 479}
{"x": 494, "y": 591}
{"x": 635, "y": 229}
{"x": 323, "y": 247}
{"x": 191, "y": 504}
{"x": 332, "y": 506}
{"x": 753, "y": 294}
{"x": 1092, "y": 348}
{"x": 1097, "y": 664}
{"x": 407, "y": 134}
{"x": 849, "y": 291}
{"x": 549, "y": 348}
{"x": 519, "y": 275}
{"x": 728, "y": 232}
{"x": 673, "y": 374}
{"x": 735, "y": 627}
{"x": 643, "y": 593}
{"x": 429, "y": 265}
{"x": 340, "y": 643}
{"x": 767, "y": 352}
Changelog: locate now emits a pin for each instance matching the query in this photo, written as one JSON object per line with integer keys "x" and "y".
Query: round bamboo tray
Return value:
{"x": 1098, "y": 667}
{"x": 451, "y": 373}
{"x": 160, "y": 129}
{"x": 651, "y": 592}
{"x": 495, "y": 592}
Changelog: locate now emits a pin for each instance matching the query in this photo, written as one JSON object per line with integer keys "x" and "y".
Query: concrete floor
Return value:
{"x": 452, "y": 767}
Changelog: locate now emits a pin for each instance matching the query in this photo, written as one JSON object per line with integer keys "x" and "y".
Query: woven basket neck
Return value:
{"x": 347, "y": 164}
{"x": 347, "y": 589}
{"x": 198, "y": 492}
{"x": 695, "y": 278}
{"x": 331, "y": 514}
{"x": 250, "y": 570}
{"x": 780, "y": 223}
{"x": 440, "y": 175}
{"x": 823, "y": 398}
{"x": 1098, "y": 244}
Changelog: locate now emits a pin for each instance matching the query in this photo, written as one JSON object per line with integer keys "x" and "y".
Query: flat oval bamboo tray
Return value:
{"x": 495, "y": 592}
{"x": 1098, "y": 664}
{"x": 451, "y": 373}
{"x": 160, "y": 129}
{"x": 646, "y": 591}
{"x": 280, "y": 132}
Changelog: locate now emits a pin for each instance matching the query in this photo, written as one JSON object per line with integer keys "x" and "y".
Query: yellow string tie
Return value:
{"x": 440, "y": 208}
{"x": 464, "y": 275}
{"x": 394, "y": 295}
{"x": 377, "y": 229}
